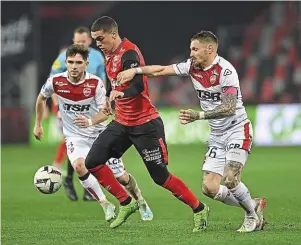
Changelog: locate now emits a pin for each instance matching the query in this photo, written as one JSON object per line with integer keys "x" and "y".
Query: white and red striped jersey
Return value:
{"x": 209, "y": 84}
{"x": 86, "y": 97}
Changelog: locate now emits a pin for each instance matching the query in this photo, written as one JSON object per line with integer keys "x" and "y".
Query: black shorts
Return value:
{"x": 148, "y": 139}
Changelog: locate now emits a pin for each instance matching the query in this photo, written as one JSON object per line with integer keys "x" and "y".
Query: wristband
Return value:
{"x": 138, "y": 70}
{"x": 202, "y": 115}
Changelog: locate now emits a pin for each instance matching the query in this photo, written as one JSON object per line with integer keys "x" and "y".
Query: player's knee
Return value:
{"x": 93, "y": 160}
{"x": 230, "y": 180}
{"x": 124, "y": 179}
{"x": 160, "y": 176}
{"x": 79, "y": 166}
{"x": 210, "y": 189}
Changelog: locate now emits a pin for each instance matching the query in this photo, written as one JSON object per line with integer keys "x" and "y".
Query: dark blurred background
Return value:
{"x": 261, "y": 39}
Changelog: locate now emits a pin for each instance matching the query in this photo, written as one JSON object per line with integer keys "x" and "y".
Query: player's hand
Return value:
{"x": 82, "y": 121}
{"x": 188, "y": 116}
{"x": 107, "y": 110}
{"x": 126, "y": 75}
{"x": 38, "y": 131}
{"x": 116, "y": 95}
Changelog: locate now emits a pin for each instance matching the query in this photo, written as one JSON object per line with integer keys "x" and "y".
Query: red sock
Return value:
{"x": 181, "y": 191}
{"x": 60, "y": 153}
{"x": 106, "y": 178}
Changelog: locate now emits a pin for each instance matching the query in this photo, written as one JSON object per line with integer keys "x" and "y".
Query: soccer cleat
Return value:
{"x": 260, "y": 204}
{"x": 124, "y": 213}
{"x": 201, "y": 219}
{"x": 88, "y": 196}
{"x": 70, "y": 191}
{"x": 249, "y": 225}
{"x": 109, "y": 210}
{"x": 145, "y": 211}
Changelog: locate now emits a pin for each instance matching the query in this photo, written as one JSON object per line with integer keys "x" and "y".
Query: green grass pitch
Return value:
{"x": 29, "y": 217}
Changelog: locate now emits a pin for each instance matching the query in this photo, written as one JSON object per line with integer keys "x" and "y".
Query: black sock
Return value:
{"x": 70, "y": 170}
{"x": 126, "y": 201}
{"x": 84, "y": 177}
{"x": 199, "y": 208}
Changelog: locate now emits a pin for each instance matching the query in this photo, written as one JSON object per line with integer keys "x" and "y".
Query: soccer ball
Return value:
{"x": 48, "y": 179}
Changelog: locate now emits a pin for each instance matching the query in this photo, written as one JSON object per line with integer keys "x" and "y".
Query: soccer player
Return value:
{"x": 216, "y": 83}
{"x": 81, "y": 98}
{"x": 136, "y": 122}
{"x": 95, "y": 66}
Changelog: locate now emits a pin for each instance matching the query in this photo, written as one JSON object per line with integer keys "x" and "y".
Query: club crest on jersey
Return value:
{"x": 213, "y": 77}
{"x": 87, "y": 91}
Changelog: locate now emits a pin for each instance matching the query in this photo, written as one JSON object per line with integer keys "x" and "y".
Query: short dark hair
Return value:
{"x": 205, "y": 36}
{"x": 81, "y": 30}
{"x": 77, "y": 49}
{"x": 105, "y": 23}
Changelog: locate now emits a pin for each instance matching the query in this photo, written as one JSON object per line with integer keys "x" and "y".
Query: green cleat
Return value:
{"x": 201, "y": 219}
{"x": 124, "y": 213}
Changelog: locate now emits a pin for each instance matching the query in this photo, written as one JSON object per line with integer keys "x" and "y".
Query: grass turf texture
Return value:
{"x": 29, "y": 217}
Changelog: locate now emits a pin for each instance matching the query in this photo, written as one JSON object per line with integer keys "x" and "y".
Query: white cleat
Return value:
{"x": 249, "y": 225}
{"x": 260, "y": 204}
{"x": 145, "y": 211}
{"x": 109, "y": 210}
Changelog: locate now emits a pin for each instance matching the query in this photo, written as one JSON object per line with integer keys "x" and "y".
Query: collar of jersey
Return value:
{"x": 80, "y": 82}
{"x": 215, "y": 61}
{"x": 120, "y": 45}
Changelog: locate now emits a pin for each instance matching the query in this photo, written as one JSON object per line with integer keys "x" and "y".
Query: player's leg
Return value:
{"x": 238, "y": 148}
{"x": 78, "y": 149}
{"x": 149, "y": 140}
{"x": 112, "y": 142}
{"x": 60, "y": 155}
{"x": 130, "y": 184}
{"x": 68, "y": 182}
{"x": 213, "y": 169}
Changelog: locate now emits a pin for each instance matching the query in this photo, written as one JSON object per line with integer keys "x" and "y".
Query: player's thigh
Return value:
{"x": 77, "y": 148}
{"x": 117, "y": 166}
{"x": 215, "y": 158}
{"x": 239, "y": 143}
{"x": 112, "y": 142}
{"x": 149, "y": 140}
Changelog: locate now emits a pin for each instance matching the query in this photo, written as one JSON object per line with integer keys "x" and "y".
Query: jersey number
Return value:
{"x": 212, "y": 151}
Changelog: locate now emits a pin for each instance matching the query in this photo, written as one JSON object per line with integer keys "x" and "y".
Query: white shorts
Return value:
{"x": 79, "y": 147}
{"x": 234, "y": 144}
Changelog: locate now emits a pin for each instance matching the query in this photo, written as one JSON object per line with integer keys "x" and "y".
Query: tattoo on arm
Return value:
{"x": 227, "y": 108}
{"x": 194, "y": 115}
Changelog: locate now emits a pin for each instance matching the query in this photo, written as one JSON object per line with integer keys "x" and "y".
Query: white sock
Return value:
{"x": 224, "y": 195}
{"x": 242, "y": 195}
{"x": 92, "y": 186}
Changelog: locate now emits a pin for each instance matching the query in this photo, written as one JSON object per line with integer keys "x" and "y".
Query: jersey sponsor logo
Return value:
{"x": 57, "y": 83}
{"x": 208, "y": 96}
{"x": 87, "y": 91}
{"x": 198, "y": 75}
{"x": 76, "y": 108}
{"x": 64, "y": 91}
{"x": 87, "y": 85}
{"x": 227, "y": 72}
{"x": 233, "y": 146}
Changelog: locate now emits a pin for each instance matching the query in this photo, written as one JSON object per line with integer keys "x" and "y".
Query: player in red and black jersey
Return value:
{"x": 136, "y": 122}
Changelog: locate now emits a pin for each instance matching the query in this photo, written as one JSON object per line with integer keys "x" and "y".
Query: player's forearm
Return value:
{"x": 40, "y": 107}
{"x": 151, "y": 71}
{"x": 98, "y": 118}
{"x": 226, "y": 109}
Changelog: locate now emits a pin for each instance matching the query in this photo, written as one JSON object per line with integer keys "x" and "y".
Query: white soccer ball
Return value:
{"x": 48, "y": 179}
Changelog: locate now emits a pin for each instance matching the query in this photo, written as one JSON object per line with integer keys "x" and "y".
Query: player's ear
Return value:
{"x": 87, "y": 63}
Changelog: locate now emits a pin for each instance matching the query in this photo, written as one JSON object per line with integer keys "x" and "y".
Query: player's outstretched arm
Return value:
{"x": 151, "y": 71}
{"x": 40, "y": 107}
